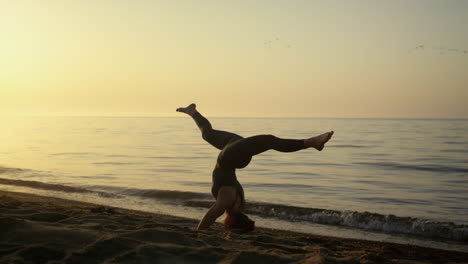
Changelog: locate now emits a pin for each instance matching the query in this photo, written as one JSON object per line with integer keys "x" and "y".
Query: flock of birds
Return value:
{"x": 276, "y": 42}
{"x": 438, "y": 49}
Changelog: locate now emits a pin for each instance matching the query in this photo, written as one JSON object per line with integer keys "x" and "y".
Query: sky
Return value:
{"x": 244, "y": 58}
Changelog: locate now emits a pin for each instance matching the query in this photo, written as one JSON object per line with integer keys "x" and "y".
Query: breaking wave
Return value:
{"x": 358, "y": 220}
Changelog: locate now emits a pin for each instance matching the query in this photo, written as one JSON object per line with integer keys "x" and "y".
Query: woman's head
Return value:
{"x": 238, "y": 222}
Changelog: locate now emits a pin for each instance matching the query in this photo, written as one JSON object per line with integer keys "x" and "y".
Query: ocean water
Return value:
{"x": 394, "y": 180}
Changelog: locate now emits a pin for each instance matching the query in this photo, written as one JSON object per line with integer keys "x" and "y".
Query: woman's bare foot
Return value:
{"x": 189, "y": 110}
{"x": 318, "y": 142}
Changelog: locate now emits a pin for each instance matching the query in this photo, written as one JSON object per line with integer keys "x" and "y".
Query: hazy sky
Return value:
{"x": 235, "y": 58}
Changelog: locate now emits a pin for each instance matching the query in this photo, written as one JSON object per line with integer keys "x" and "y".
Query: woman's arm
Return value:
{"x": 225, "y": 200}
{"x": 210, "y": 217}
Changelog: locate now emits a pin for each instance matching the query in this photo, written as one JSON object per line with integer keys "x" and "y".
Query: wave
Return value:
{"x": 52, "y": 187}
{"x": 73, "y": 154}
{"x": 437, "y": 168}
{"x": 359, "y": 220}
{"x": 454, "y": 142}
{"x": 351, "y": 219}
{"x": 455, "y": 150}
{"x": 170, "y": 195}
{"x": 117, "y": 163}
{"x": 167, "y": 195}
{"x": 5, "y": 170}
{"x": 348, "y": 146}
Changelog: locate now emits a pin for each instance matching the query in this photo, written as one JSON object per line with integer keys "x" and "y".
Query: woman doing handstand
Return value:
{"x": 236, "y": 153}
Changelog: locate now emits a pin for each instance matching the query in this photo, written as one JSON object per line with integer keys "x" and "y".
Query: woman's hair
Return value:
{"x": 239, "y": 223}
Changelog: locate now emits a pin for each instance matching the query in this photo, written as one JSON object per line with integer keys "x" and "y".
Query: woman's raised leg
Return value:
{"x": 239, "y": 154}
{"x": 257, "y": 144}
{"x": 217, "y": 138}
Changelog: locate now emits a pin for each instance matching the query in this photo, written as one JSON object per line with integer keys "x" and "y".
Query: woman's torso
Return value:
{"x": 226, "y": 177}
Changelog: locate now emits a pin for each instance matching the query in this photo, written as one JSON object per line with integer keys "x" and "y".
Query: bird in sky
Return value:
{"x": 439, "y": 49}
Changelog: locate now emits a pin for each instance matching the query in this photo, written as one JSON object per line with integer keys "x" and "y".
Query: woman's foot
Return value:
{"x": 189, "y": 110}
{"x": 318, "y": 142}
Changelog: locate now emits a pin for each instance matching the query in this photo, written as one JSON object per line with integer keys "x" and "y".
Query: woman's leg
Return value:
{"x": 252, "y": 146}
{"x": 261, "y": 143}
{"x": 217, "y": 138}
{"x": 239, "y": 154}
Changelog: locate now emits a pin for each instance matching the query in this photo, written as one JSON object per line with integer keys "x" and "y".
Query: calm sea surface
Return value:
{"x": 406, "y": 168}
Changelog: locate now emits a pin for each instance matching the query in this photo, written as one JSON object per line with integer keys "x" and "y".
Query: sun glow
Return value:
{"x": 315, "y": 58}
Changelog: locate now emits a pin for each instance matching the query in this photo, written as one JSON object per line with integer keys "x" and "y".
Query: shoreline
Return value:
{"x": 39, "y": 229}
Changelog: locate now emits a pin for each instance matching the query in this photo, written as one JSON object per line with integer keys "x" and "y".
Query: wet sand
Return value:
{"x": 38, "y": 229}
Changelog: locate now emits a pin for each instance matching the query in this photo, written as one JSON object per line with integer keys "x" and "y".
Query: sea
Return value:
{"x": 393, "y": 180}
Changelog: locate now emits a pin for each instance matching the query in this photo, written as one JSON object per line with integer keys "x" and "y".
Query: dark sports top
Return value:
{"x": 226, "y": 177}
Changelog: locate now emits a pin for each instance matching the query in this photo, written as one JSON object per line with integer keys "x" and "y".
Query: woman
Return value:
{"x": 236, "y": 153}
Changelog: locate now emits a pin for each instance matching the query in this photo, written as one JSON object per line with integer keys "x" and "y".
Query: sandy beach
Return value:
{"x": 38, "y": 229}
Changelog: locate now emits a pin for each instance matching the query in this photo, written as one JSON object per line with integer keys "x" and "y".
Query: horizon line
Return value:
{"x": 230, "y": 116}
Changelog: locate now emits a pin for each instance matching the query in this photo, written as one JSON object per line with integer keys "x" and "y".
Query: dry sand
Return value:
{"x": 37, "y": 229}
